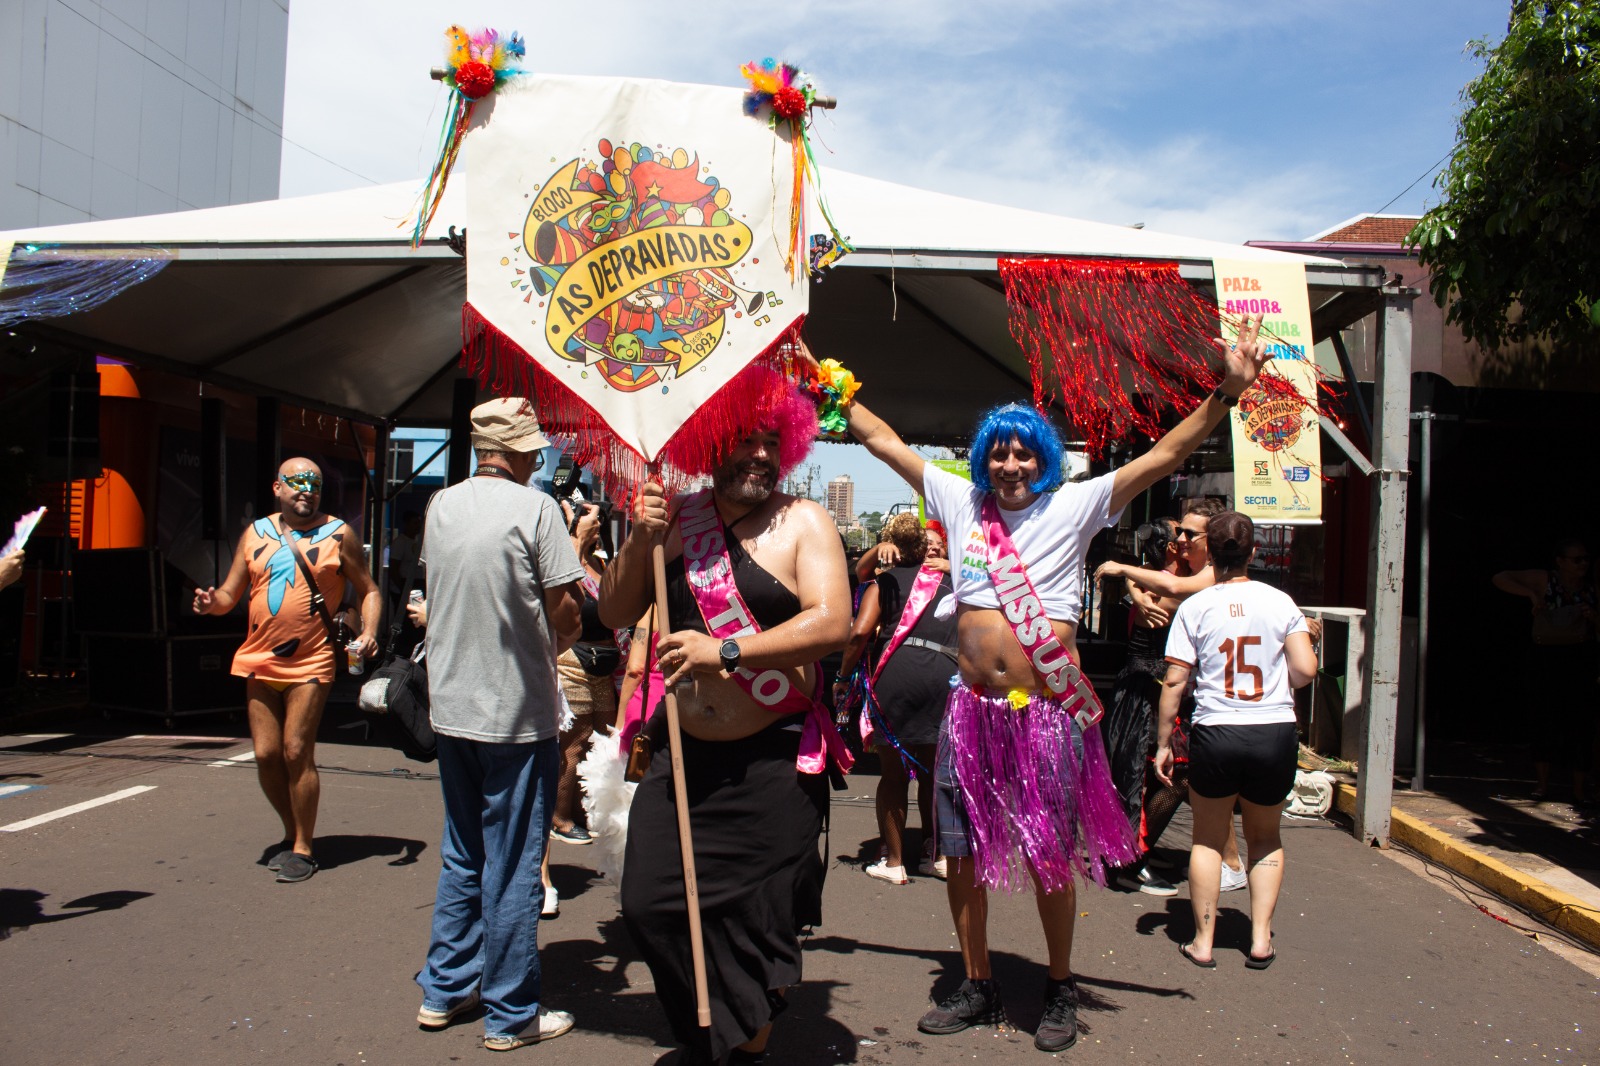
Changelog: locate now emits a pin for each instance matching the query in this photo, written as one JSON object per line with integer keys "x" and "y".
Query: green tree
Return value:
{"x": 871, "y": 521}
{"x": 1515, "y": 245}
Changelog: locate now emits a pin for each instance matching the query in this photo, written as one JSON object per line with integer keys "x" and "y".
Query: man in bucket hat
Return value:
{"x": 503, "y": 602}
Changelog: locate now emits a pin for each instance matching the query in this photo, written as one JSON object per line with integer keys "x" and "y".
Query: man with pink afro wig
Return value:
{"x": 740, "y": 643}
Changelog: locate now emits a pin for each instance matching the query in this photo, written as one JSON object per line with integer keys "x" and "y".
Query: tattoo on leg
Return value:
{"x": 1268, "y": 862}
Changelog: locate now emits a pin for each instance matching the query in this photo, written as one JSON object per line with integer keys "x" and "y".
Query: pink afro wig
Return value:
{"x": 759, "y": 398}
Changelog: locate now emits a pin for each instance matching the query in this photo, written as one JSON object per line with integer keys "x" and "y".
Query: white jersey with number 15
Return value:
{"x": 1231, "y": 636}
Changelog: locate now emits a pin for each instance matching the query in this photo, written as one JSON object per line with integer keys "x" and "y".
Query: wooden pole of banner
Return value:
{"x": 691, "y": 888}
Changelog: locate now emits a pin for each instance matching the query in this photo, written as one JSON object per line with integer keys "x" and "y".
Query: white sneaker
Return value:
{"x": 929, "y": 866}
{"x": 1148, "y": 883}
{"x": 895, "y": 875}
{"x": 549, "y": 1025}
{"x": 1233, "y": 880}
{"x": 552, "y": 903}
{"x": 429, "y": 1018}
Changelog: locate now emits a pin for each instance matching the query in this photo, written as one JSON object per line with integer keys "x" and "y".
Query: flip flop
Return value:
{"x": 1209, "y": 964}
{"x": 1253, "y": 963}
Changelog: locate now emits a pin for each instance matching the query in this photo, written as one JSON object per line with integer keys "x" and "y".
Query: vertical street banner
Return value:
{"x": 626, "y": 258}
{"x": 1277, "y": 443}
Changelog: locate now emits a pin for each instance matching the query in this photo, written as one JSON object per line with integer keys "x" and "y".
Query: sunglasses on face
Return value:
{"x": 302, "y": 482}
{"x": 1190, "y": 534}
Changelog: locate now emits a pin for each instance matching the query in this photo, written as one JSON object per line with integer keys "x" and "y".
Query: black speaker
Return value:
{"x": 119, "y": 590}
{"x": 164, "y": 675}
{"x": 212, "y": 438}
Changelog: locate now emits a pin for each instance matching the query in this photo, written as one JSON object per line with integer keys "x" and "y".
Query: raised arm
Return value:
{"x": 1160, "y": 582}
{"x": 884, "y": 443}
{"x": 1242, "y": 364}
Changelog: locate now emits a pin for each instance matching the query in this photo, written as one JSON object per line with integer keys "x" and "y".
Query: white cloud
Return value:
{"x": 1023, "y": 104}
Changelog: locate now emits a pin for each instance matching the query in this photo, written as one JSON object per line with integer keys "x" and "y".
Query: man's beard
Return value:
{"x": 730, "y": 484}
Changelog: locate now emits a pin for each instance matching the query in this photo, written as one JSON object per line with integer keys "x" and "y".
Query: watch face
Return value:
{"x": 730, "y": 649}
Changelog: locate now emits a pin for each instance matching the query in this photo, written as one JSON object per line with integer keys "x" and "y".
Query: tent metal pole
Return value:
{"x": 1386, "y": 578}
{"x": 1424, "y": 558}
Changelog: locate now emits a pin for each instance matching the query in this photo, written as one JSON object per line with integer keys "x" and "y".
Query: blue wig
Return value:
{"x": 1032, "y": 430}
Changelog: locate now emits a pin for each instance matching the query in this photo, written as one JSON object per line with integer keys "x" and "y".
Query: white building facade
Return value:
{"x": 114, "y": 108}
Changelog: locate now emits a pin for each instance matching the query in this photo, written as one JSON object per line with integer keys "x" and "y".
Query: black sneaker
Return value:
{"x": 296, "y": 867}
{"x": 1058, "y": 1029}
{"x": 974, "y": 1003}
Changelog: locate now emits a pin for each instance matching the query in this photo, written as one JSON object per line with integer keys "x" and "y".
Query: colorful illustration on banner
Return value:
{"x": 633, "y": 253}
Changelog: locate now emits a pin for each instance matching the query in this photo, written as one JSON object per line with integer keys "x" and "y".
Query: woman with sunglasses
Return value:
{"x": 1248, "y": 647}
{"x": 1561, "y": 663}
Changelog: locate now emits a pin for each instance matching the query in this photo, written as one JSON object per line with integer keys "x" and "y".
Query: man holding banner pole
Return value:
{"x": 755, "y": 593}
{"x": 1017, "y": 544}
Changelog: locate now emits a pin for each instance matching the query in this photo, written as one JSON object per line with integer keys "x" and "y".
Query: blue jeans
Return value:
{"x": 497, "y": 804}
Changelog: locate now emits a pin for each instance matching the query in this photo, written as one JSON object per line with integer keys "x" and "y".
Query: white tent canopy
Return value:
{"x": 319, "y": 300}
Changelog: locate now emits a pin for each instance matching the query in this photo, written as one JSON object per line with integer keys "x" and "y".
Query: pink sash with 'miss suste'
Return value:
{"x": 1031, "y": 626}
{"x": 709, "y": 570}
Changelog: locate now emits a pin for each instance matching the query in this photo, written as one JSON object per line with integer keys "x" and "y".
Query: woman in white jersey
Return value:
{"x": 1248, "y": 647}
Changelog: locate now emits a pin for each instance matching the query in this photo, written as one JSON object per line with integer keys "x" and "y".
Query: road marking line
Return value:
{"x": 12, "y": 790}
{"x": 64, "y": 812}
{"x": 243, "y": 756}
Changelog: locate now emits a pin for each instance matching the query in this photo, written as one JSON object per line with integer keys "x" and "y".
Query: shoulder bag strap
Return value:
{"x": 318, "y": 604}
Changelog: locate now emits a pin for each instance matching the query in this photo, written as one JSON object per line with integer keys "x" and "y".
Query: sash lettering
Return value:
{"x": 1024, "y": 612}
{"x": 710, "y": 572}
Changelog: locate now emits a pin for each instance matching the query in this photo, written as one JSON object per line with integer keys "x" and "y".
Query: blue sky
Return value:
{"x": 1231, "y": 121}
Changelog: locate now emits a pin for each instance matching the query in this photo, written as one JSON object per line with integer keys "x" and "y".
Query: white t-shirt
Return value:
{"x": 1052, "y": 534}
{"x": 1232, "y": 635}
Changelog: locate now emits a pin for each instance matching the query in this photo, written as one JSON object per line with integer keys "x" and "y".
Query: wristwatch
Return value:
{"x": 1224, "y": 399}
{"x": 730, "y": 655}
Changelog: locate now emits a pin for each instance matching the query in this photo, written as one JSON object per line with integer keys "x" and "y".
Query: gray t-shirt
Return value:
{"x": 492, "y": 547}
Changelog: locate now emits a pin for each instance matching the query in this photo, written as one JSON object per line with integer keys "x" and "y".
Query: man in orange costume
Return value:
{"x": 287, "y": 659}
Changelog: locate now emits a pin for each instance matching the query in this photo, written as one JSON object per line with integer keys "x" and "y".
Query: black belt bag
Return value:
{"x": 598, "y": 660}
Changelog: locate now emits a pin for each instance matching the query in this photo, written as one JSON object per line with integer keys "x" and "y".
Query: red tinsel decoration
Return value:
{"x": 1120, "y": 342}
{"x": 501, "y": 366}
{"x": 1117, "y": 341}
{"x": 789, "y": 102}
{"x": 475, "y": 79}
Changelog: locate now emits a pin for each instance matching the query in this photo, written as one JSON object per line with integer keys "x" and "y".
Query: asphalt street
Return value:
{"x": 143, "y": 930}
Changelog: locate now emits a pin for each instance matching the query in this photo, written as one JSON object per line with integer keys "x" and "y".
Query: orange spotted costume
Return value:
{"x": 287, "y": 643}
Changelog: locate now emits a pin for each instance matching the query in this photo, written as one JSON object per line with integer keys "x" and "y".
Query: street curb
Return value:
{"x": 1566, "y": 912}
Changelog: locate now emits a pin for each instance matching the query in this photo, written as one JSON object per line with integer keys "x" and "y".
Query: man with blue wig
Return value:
{"x": 1024, "y": 796}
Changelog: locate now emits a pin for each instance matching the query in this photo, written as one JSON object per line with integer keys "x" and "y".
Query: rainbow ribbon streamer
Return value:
{"x": 788, "y": 94}
{"x": 476, "y": 64}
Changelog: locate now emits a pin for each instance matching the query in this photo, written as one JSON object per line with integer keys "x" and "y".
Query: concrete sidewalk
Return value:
{"x": 1541, "y": 857}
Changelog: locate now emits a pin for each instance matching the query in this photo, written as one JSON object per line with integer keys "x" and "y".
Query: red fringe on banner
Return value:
{"x": 732, "y": 413}
{"x": 1117, "y": 341}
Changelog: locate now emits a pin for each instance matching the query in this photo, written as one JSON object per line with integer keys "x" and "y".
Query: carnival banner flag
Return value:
{"x": 1277, "y": 445}
{"x": 627, "y": 262}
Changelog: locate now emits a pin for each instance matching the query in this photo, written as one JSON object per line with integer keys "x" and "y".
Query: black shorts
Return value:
{"x": 1254, "y": 762}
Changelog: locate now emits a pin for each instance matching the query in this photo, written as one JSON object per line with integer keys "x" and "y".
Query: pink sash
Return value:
{"x": 1031, "y": 626}
{"x": 710, "y": 573}
{"x": 923, "y": 591}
